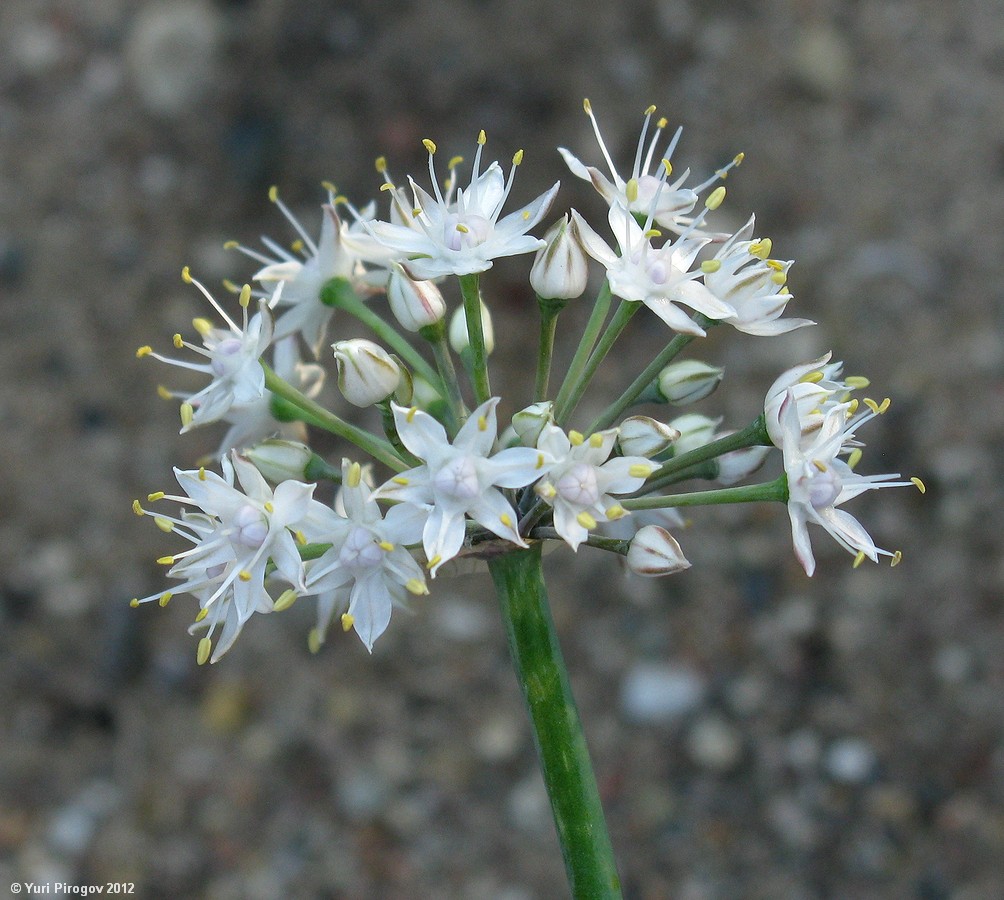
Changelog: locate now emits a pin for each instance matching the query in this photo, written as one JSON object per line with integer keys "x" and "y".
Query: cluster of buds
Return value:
{"x": 439, "y": 480}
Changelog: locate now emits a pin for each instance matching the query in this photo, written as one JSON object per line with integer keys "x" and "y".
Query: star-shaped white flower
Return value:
{"x": 581, "y": 480}
{"x": 461, "y": 235}
{"x": 368, "y": 569}
{"x": 659, "y": 277}
{"x": 819, "y": 481}
{"x": 235, "y": 534}
{"x": 460, "y": 479}
{"x": 743, "y": 275}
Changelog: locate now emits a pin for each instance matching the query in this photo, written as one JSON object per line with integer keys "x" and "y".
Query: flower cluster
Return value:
{"x": 451, "y": 483}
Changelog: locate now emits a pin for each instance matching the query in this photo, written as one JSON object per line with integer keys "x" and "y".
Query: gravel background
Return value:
{"x": 756, "y": 734}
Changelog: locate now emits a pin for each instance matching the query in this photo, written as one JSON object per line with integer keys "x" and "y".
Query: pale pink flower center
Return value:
{"x": 360, "y": 551}
{"x": 458, "y": 479}
{"x": 226, "y": 357}
{"x": 474, "y": 230}
{"x": 823, "y": 488}
{"x": 252, "y": 527}
{"x": 578, "y": 485}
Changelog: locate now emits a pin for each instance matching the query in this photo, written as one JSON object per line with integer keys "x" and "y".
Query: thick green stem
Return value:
{"x": 561, "y": 744}
{"x": 549, "y": 310}
{"x": 476, "y": 337}
{"x": 314, "y": 414}
{"x": 586, "y": 343}
{"x": 748, "y": 493}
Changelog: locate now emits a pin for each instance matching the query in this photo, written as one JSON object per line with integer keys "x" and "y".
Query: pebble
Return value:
{"x": 715, "y": 744}
{"x": 850, "y": 761}
{"x": 654, "y": 693}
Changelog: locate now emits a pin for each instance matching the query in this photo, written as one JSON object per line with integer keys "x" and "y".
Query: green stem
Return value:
{"x": 339, "y": 293}
{"x": 436, "y": 336}
{"x": 561, "y": 744}
{"x": 475, "y": 337}
{"x": 586, "y": 343}
{"x": 618, "y": 321}
{"x": 749, "y": 493}
{"x": 314, "y": 414}
{"x": 754, "y": 434}
{"x": 549, "y": 310}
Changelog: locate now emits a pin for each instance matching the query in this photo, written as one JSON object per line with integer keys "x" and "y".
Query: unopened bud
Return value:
{"x": 459, "y": 339}
{"x": 415, "y": 304}
{"x": 739, "y": 464}
{"x": 528, "y": 423}
{"x": 280, "y": 460}
{"x": 654, "y": 552}
{"x": 688, "y": 381}
{"x": 560, "y": 269}
{"x": 644, "y": 436}
{"x": 366, "y": 372}
{"x": 695, "y": 431}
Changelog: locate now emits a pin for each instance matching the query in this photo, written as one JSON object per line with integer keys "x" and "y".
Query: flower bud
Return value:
{"x": 695, "y": 431}
{"x": 528, "y": 423}
{"x": 459, "y": 339}
{"x": 644, "y": 436}
{"x": 654, "y": 552}
{"x": 739, "y": 464}
{"x": 366, "y": 372}
{"x": 688, "y": 381}
{"x": 560, "y": 271}
{"x": 280, "y": 460}
{"x": 415, "y": 304}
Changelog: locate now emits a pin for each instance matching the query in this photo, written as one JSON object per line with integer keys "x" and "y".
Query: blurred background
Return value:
{"x": 755, "y": 733}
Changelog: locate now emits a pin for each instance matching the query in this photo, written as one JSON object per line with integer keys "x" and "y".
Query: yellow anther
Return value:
{"x": 145, "y": 350}
{"x": 329, "y": 187}
{"x": 482, "y": 423}
{"x": 668, "y": 166}
{"x": 155, "y": 496}
{"x": 616, "y": 512}
{"x": 354, "y": 475}
{"x": 202, "y": 473}
{"x": 136, "y": 508}
{"x": 506, "y": 520}
{"x": 178, "y": 341}
{"x": 596, "y": 440}
{"x": 775, "y": 264}
{"x": 165, "y": 525}
{"x": 525, "y": 215}
{"x": 314, "y": 641}
{"x": 462, "y": 228}
{"x": 273, "y": 194}
{"x": 268, "y": 507}
{"x": 852, "y": 406}
{"x": 897, "y": 558}
{"x": 871, "y": 404}
{"x": 386, "y": 186}
{"x": 165, "y": 598}
{"x": 640, "y": 470}
{"x": 296, "y": 246}
{"x": 347, "y": 622}
{"x": 820, "y": 465}
{"x": 779, "y": 278}
{"x": 380, "y": 164}
{"x": 715, "y": 198}
{"x": 201, "y": 325}
{"x": 919, "y": 484}
{"x": 187, "y": 414}
{"x": 453, "y": 163}
{"x": 761, "y": 249}
{"x": 205, "y": 648}
{"x": 884, "y": 405}
{"x": 546, "y": 490}
{"x": 854, "y": 457}
{"x": 386, "y": 546}
{"x": 860, "y": 558}
{"x": 230, "y": 245}
{"x": 482, "y": 137}
{"x": 285, "y": 600}
{"x": 857, "y": 382}
{"x": 401, "y": 480}
{"x": 165, "y": 561}
{"x": 202, "y": 613}
{"x": 429, "y": 145}
{"x": 416, "y": 587}
{"x": 631, "y": 190}
{"x": 517, "y": 157}
{"x": 649, "y": 110}
{"x": 662, "y": 123}
{"x": 575, "y": 438}
{"x": 244, "y": 575}
{"x": 652, "y": 233}
{"x": 410, "y": 414}
{"x": 134, "y": 602}
{"x": 245, "y": 297}
{"x": 340, "y": 200}
{"x": 230, "y": 287}
{"x": 299, "y": 537}
{"x": 186, "y": 275}
{"x": 587, "y": 106}
{"x": 812, "y": 377}
{"x": 416, "y": 212}
{"x": 540, "y": 461}
{"x": 711, "y": 265}
{"x": 738, "y": 159}
{"x": 586, "y": 521}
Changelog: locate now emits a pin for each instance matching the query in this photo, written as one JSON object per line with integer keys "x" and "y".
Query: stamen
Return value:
{"x": 187, "y": 414}
{"x": 575, "y": 438}
{"x": 919, "y": 484}
{"x": 355, "y": 475}
{"x": 155, "y": 496}
{"x": 145, "y": 350}
{"x": 854, "y": 457}
{"x": 435, "y": 561}
{"x": 586, "y": 521}
{"x": 506, "y": 520}
{"x": 202, "y": 613}
{"x": 640, "y": 470}
{"x": 715, "y": 198}
{"x": 347, "y": 622}
{"x": 285, "y": 600}
{"x": 416, "y": 587}
{"x": 165, "y": 598}
{"x": 205, "y": 648}
{"x": 386, "y": 546}
{"x": 244, "y": 575}
{"x": 711, "y": 265}
{"x": 165, "y": 525}
{"x": 616, "y": 512}
{"x": 398, "y": 479}
{"x": 165, "y": 561}
{"x": 482, "y": 423}
{"x": 136, "y": 508}
{"x": 857, "y": 381}
{"x": 860, "y": 558}
{"x": 596, "y": 440}
{"x": 820, "y": 465}
{"x": 897, "y": 558}
{"x": 314, "y": 641}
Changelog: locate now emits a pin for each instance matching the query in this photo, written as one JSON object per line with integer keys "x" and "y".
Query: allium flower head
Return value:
{"x": 462, "y": 234}
{"x": 231, "y": 355}
{"x": 461, "y": 478}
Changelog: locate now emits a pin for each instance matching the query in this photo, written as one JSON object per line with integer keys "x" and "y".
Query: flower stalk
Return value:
{"x": 586, "y": 343}
{"x": 557, "y": 729}
{"x": 469, "y": 287}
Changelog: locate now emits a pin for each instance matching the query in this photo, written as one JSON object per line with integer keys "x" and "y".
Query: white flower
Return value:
{"x": 581, "y": 480}
{"x": 232, "y": 360}
{"x": 650, "y": 196}
{"x": 458, "y": 335}
{"x": 460, "y": 479}
{"x": 560, "y": 268}
{"x": 462, "y": 236}
{"x": 340, "y": 252}
{"x": 819, "y": 481}
{"x": 688, "y": 380}
{"x": 659, "y": 277}
{"x": 368, "y": 569}
{"x": 237, "y": 533}
{"x": 743, "y": 275}
{"x": 367, "y": 373}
